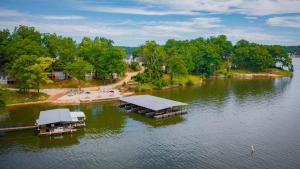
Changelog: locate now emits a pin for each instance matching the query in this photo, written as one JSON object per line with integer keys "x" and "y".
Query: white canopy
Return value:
{"x": 58, "y": 115}
{"x": 152, "y": 102}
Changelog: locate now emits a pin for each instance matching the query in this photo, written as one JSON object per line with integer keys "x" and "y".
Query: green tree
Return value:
{"x": 280, "y": 57}
{"x": 4, "y": 40}
{"x": 30, "y": 71}
{"x": 78, "y": 69}
{"x": 153, "y": 56}
{"x": 63, "y": 48}
{"x": 105, "y": 58}
{"x": 252, "y": 56}
{"x": 38, "y": 71}
{"x": 176, "y": 68}
{"x": 25, "y": 41}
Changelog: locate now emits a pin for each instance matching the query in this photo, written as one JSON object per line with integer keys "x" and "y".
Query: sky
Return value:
{"x": 132, "y": 22}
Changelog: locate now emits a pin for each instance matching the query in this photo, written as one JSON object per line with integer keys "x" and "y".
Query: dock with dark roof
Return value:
{"x": 152, "y": 106}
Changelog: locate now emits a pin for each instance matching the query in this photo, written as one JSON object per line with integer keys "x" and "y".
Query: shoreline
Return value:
{"x": 55, "y": 98}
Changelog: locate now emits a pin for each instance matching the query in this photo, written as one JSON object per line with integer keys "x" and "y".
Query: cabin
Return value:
{"x": 152, "y": 106}
{"x": 59, "y": 121}
{"x": 6, "y": 79}
{"x": 90, "y": 75}
{"x": 58, "y": 75}
{"x": 3, "y": 78}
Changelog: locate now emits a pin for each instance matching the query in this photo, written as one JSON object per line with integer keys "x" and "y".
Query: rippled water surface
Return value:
{"x": 224, "y": 119}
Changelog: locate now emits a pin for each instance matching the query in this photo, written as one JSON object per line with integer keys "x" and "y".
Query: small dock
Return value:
{"x": 16, "y": 128}
{"x": 152, "y": 106}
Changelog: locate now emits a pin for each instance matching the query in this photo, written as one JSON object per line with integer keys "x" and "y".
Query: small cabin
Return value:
{"x": 59, "y": 121}
{"x": 3, "y": 78}
{"x": 6, "y": 79}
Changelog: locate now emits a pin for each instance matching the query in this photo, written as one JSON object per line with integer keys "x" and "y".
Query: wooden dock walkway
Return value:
{"x": 16, "y": 128}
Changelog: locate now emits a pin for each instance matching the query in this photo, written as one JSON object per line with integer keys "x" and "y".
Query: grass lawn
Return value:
{"x": 183, "y": 80}
{"x": 275, "y": 71}
{"x": 11, "y": 97}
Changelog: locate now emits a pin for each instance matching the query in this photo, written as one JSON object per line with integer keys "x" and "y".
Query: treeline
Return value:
{"x": 205, "y": 56}
{"x": 292, "y": 49}
{"x": 27, "y": 55}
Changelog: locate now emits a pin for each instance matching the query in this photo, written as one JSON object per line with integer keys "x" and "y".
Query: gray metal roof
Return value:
{"x": 54, "y": 116}
{"x": 151, "y": 102}
{"x": 76, "y": 115}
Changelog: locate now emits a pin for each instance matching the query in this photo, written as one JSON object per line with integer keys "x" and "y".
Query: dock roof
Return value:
{"x": 55, "y": 116}
{"x": 152, "y": 102}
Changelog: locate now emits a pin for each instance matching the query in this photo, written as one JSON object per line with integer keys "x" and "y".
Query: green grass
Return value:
{"x": 144, "y": 87}
{"x": 12, "y": 97}
{"x": 275, "y": 71}
{"x": 182, "y": 80}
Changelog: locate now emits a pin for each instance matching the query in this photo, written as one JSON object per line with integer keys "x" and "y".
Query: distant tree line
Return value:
{"x": 205, "y": 56}
{"x": 27, "y": 55}
{"x": 292, "y": 49}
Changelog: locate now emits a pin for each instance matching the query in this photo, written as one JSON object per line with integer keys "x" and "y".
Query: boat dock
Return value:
{"x": 16, "y": 128}
{"x": 152, "y": 106}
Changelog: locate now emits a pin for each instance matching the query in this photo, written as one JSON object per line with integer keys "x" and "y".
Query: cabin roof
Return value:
{"x": 76, "y": 115}
{"x": 55, "y": 116}
{"x": 152, "y": 102}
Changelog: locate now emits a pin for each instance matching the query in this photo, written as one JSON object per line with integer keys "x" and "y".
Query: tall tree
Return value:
{"x": 38, "y": 71}
{"x": 105, "y": 58}
{"x": 25, "y": 41}
{"x": 30, "y": 71}
{"x": 153, "y": 56}
{"x": 280, "y": 56}
{"x": 4, "y": 40}
{"x": 176, "y": 67}
{"x": 78, "y": 69}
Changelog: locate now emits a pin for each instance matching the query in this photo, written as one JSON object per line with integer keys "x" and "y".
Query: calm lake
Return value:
{"x": 224, "y": 119}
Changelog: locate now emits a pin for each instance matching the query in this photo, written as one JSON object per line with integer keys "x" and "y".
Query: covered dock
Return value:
{"x": 59, "y": 121}
{"x": 152, "y": 106}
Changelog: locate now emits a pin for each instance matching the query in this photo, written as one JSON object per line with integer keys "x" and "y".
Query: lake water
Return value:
{"x": 224, "y": 119}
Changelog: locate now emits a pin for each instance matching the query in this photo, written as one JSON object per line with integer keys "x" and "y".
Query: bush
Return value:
{"x": 189, "y": 83}
{"x": 134, "y": 66}
{"x": 2, "y": 104}
{"x": 160, "y": 83}
{"x": 142, "y": 78}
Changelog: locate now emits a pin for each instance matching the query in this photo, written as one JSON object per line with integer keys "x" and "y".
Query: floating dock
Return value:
{"x": 152, "y": 106}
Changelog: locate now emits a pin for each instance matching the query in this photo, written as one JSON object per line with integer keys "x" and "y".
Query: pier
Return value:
{"x": 152, "y": 106}
{"x": 16, "y": 128}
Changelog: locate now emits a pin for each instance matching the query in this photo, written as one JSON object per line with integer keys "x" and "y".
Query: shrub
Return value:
{"x": 134, "y": 66}
{"x": 142, "y": 78}
{"x": 189, "y": 82}
{"x": 160, "y": 83}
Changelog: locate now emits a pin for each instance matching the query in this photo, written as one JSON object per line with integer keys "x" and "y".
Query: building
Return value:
{"x": 90, "y": 75}
{"x": 152, "y": 106}
{"x": 59, "y": 121}
{"x": 3, "y": 78}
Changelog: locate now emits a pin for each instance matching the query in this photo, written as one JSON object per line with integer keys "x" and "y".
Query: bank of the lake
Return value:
{"x": 225, "y": 117}
{"x": 13, "y": 98}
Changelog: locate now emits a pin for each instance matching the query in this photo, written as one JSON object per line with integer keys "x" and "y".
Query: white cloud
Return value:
{"x": 250, "y": 17}
{"x": 135, "y": 11}
{"x": 247, "y": 7}
{"x": 286, "y": 21}
{"x": 71, "y": 17}
{"x": 10, "y": 13}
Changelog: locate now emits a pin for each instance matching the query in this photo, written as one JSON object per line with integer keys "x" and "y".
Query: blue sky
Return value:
{"x": 132, "y": 22}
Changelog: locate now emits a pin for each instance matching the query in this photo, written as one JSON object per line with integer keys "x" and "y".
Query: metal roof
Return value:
{"x": 54, "y": 116}
{"x": 76, "y": 115}
{"x": 151, "y": 102}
